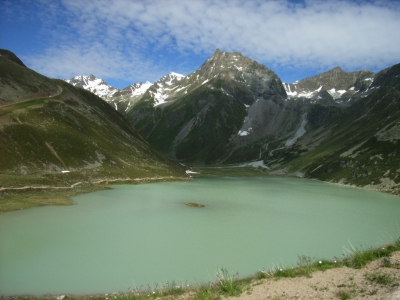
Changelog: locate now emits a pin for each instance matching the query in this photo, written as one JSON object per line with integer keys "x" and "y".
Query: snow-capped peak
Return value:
{"x": 170, "y": 78}
{"x": 93, "y": 84}
{"x": 176, "y": 75}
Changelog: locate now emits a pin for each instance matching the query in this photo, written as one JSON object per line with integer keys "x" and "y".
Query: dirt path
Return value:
{"x": 92, "y": 182}
{"x": 33, "y": 97}
{"x": 41, "y": 187}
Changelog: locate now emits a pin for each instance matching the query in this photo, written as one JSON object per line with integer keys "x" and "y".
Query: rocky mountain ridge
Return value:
{"x": 120, "y": 99}
{"x": 335, "y": 84}
{"x": 282, "y": 111}
{"x": 336, "y": 126}
{"x": 340, "y": 86}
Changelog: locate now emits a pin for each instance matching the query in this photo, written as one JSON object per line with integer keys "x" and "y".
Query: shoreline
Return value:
{"x": 107, "y": 181}
{"x": 82, "y": 187}
{"x": 382, "y": 260}
{"x": 18, "y": 197}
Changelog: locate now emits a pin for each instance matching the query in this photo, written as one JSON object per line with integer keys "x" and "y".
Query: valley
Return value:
{"x": 232, "y": 120}
{"x": 336, "y": 126}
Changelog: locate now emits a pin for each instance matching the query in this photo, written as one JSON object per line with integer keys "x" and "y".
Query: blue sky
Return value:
{"x": 127, "y": 41}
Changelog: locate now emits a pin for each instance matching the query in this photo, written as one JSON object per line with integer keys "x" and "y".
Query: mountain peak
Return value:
{"x": 170, "y": 78}
{"x": 11, "y": 56}
{"x": 220, "y": 55}
{"x": 338, "y": 69}
{"x": 93, "y": 84}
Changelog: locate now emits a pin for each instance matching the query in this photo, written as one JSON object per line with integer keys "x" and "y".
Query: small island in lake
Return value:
{"x": 192, "y": 204}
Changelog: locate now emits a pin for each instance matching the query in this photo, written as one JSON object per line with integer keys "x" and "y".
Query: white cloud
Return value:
{"x": 123, "y": 38}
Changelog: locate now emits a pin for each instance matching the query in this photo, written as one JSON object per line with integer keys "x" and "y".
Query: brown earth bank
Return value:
{"x": 377, "y": 280}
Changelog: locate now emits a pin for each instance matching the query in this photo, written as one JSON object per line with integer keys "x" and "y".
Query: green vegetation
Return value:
{"x": 11, "y": 200}
{"x": 57, "y": 141}
{"x": 226, "y": 284}
{"x": 343, "y": 295}
{"x": 382, "y": 279}
{"x": 359, "y": 258}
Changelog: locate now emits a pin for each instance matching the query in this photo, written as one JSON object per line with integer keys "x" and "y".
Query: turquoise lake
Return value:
{"x": 144, "y": 235}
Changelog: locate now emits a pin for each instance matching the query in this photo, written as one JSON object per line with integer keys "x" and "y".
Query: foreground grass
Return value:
{"x": 226, "y": 285}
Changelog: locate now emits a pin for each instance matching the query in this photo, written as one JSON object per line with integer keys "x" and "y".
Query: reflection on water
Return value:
{"x": 137, "y": 235}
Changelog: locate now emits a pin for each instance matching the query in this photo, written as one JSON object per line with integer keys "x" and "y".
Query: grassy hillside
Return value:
{"x": 71, "y": 130}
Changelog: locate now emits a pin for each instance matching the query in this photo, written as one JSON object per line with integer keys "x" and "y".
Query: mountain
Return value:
{"x": 125, "y": 98}
{"x": 18, "y": 83}
{"x": 95, "y": 85}
{"x": 11, "y": 56}
{"x": 233, "y": 109}
{"x": 358, "y": 145}
{"x": 335, "y": 84}
{"x": 52, "y": 133}
{"x": 336, "y": 126}
{"x": 207, "y": 113}
{"x": 121, "y": 100}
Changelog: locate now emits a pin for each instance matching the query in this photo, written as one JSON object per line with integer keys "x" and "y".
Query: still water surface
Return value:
{"x": 139, "y": 235}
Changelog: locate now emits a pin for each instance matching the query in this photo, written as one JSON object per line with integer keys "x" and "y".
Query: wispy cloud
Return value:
{"x": 141, "y": 40}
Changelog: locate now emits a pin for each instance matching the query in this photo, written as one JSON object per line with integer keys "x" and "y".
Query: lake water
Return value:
{"x": 140, "y": 235}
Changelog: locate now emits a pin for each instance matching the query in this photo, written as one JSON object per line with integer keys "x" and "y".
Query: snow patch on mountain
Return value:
{"x": 301, "y": 94}
{"x": 138, "y": 89}
{"x": 300, "y": 132}
{"x": 336, "y": 94}
{"x": 171, "y": 77}
{"x": 159, "y": 97}
{"x": 254, "y": 164}
{"x": 245, "y": 132}
{"x": 167, "y": 85}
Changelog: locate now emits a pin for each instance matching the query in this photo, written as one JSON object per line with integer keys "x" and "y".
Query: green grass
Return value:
{"x": 226, "y": 284}
{"x": 22, "y": 199}
{"x": 343, "y": 295}
{"x": 359, "y": 258}
{"x": 382, "y": 279}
